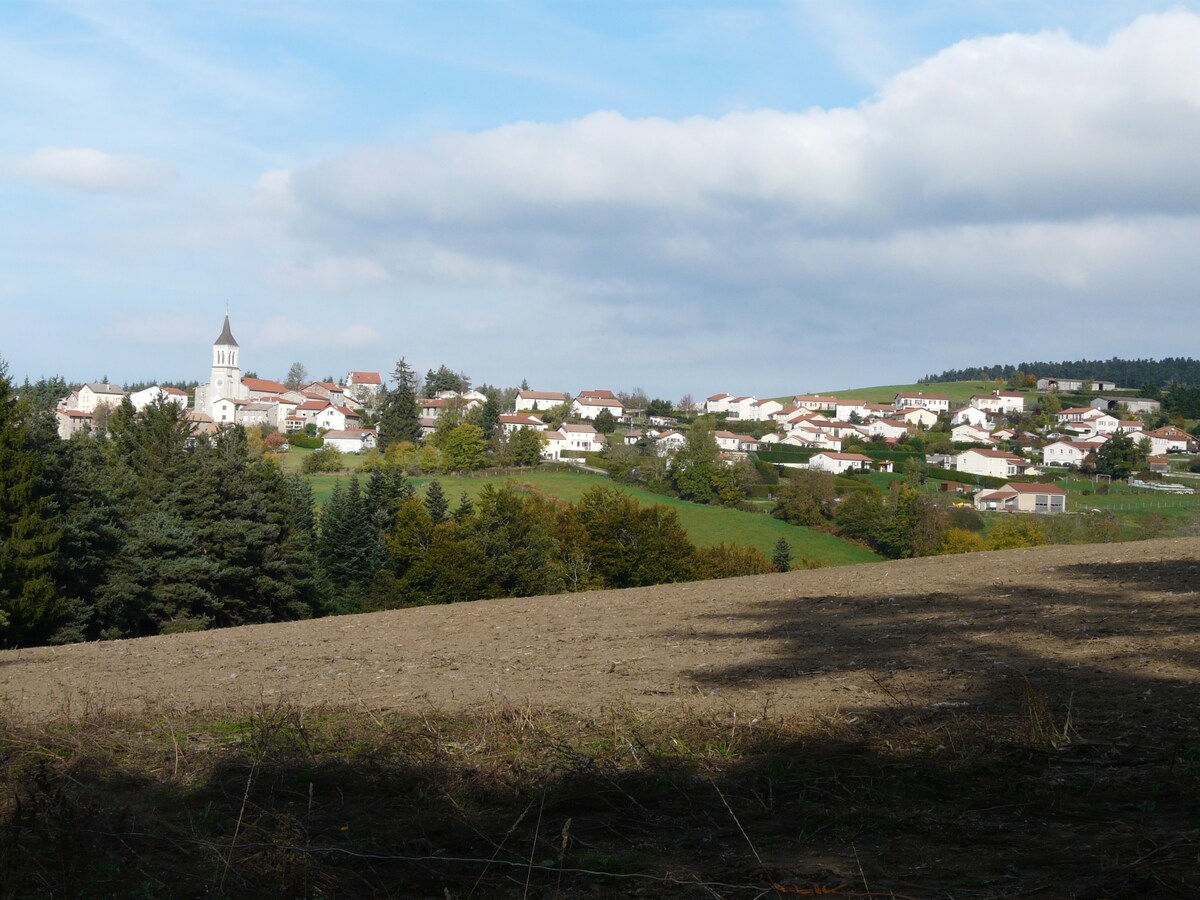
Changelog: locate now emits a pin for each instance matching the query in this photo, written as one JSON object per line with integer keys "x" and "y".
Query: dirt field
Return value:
{"x": 991, "y": 725}
{"x": 1103, "y": 625}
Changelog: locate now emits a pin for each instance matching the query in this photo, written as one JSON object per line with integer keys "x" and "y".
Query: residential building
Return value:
{"x": 837, "y": 463}
{"x": 534, "y": 401}
{"x": 937, "y": 403}
{"x": 1023, "y": 497}
{"x": 992, "y": 463}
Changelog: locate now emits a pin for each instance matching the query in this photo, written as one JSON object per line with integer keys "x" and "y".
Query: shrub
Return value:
{"x": 327, "y": 459}
{"x": 306, "y": 441}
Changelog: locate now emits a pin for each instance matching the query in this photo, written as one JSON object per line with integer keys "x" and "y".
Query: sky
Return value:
{"x": 686, "y": 197}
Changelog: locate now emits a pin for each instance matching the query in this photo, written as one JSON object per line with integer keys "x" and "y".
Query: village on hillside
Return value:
{"x": 1020, "y": 438}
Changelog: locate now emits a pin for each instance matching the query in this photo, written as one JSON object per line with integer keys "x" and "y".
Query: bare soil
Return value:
{"x": 1012, "y": 724}
{"x": 1103, "y": 625}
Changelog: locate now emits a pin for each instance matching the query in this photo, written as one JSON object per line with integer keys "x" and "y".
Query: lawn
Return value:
{"x": 707, "y": 525}
{"x": 294, "y": 459}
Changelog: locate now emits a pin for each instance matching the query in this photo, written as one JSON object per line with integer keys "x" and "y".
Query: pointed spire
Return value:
{"x": 226, "y": 337}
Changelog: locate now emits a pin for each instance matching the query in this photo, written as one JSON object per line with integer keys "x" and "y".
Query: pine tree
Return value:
{"x": 436, "y": 502}
{"x": 30, "y": 525}
{"x": 782, "y": 558}
{"x": 399, "y": 413}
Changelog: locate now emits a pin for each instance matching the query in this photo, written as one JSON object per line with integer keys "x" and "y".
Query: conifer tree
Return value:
{"x": 782, "y": 558}
{"x": 399, "y": 414}
{"x": 436, "y": 502}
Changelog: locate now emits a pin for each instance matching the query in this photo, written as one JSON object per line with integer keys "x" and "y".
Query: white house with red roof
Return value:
{"x": 1068, "y": 453}
{"x": 730, "y": 442}
{"x": 364, "y": 387}
{"x": 937, "y": 403}
{"x": 581, "y": 438}
{"x": 740, "y": 407}
{"x": 510, "y": 422}
{"x": 588, "y": 407}
{"x": 888, "y": 429}
{"x": 999, "y": 402}
{"x": 972, "y": 415}
{"x": 717, "y": 403}
{"x": 764, "y": 410}
{"x": 992, "y": 463}
{"x": 817, "y": 402}
{"x": 970, "y": 434}
{"x": 535, "y": 401}
{"x": 837, "y": 463}
{"x": 919, "y": 416}
{"x": 264, "y": 387}
{"x": 1168, "y": 439}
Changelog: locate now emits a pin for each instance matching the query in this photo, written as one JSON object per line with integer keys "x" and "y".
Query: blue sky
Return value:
{"x": 685, "y": 197}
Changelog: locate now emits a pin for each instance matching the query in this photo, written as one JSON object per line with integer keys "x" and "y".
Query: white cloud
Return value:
{"x": 88, "y": 169}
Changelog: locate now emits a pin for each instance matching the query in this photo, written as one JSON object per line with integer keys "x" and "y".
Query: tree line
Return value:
{"x": 1161, "y": 374}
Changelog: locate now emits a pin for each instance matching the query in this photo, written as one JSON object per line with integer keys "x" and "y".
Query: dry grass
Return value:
{"x": 276, "y": 800}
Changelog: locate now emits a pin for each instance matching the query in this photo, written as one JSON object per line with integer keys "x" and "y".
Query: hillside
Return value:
{"x": 991, "y": 725}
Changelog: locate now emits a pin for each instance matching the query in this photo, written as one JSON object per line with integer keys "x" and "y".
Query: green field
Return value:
{"x": 707, "y": 525}
{"x": 294, "y": 459}
{"x": 957, "y": 391}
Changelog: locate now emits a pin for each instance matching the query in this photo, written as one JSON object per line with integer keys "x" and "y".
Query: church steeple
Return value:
{"x": 226, "y": 337}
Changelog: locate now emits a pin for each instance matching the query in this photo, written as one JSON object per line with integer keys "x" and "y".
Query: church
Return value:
{"x": 224, "y": 391}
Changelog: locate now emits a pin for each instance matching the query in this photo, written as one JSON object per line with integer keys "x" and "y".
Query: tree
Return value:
{"x": 696, "y": 465}
{"x": 445, "y": 379}
{"x": 525, "y": 447}
{"x": 465, "y": 448}
{"x": 399, "y": 414}
{"x": 436, "y": 503}
{"x": 1119, "y": 456}
{"x": 297, "y": 376}
{"x": 30, "y": 525}
{"x": 686, "y": 405}
{"x": 605, "y": 422}
{"x": 782, "y": 558}
{"x": 489, "y": 415}
{"x": 806, "y": 498}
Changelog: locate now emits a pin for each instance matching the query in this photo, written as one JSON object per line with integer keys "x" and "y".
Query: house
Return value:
{"x": 580, "y": 438}
{"x": 1029, "y": 498}
{"x": 888, "y": 429}
{"x": 364, "y": 387}
{"x": 72, "y": 422}
{"x": 1160, "y": 465}
{"x": 587, "y": 407}
{"x": 811, "y": 437}
{"x": 512, "y": 421}
{"x": 970, "y": 434}
{"x": 937, "y": 403}
{"x": 727, "y": 440}
{"x": 879, "y": 411}
{"x": 972, "y": 415}
{"x": 919, "y": 416}
{"x": 334, "y": 393}
{"x": 1078, "y": 414}
{"x": 717, "y": 403}
{"x": 352, "y": 440}
{"x": 763, "y": 410}
{"x": 532, "y": 401}
{"x": 991, "y": 463}
{"x": 336, "y": 418}
{"x": 1168, "y": 439}
{"x": 142, "y": 399}
{"x": 224, "y": 410}
{"x": 433, "y": 407}
{"x": 254, "y": 413}
{"x": 94, "y": 393}
{"x": 837, "y": 463}
{"x": 740, "y": 407}
{"x": 847, "y": 408}
{"x": 631, "y": 438}
{"x": 817, "y": 402}
{"x": 263, "y": 387}
{"x": 1067, "y": 453}
{"x": 666, "y": 442}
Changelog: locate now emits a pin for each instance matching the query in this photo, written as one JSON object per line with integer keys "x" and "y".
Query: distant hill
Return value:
{"x": 1162, "y": 374}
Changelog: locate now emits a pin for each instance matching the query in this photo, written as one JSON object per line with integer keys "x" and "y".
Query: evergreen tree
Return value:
{"x": 605, "y": 422}
{"x": 436, "y": 502}
{"x": 489, "y": 416}
{"x": 782, "y": 558}
{"x": 30, "y": 524}
{"x": 399, "y": 413}
{"x": 464, "y": 510}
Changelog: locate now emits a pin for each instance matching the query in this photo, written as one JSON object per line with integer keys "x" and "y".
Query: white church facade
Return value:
{"x": 220, "y": 397}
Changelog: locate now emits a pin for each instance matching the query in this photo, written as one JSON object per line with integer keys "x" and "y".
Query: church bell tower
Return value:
{"x": 226, "y": 378}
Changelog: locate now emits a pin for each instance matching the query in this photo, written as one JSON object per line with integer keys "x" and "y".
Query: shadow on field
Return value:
{"x": 1117, "y": 651}
{"x": 520, "y": 803}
